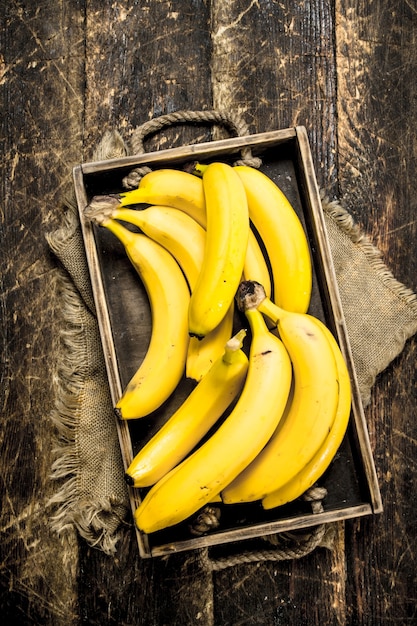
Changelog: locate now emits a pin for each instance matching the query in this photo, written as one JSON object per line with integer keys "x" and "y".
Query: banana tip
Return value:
{"x": 196, "y": 336}
{"x": 129, "y": 480}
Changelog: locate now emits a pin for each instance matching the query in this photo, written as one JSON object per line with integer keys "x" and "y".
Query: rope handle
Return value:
{"x": 234, "y": 124}
{"x": 284, "y": 546}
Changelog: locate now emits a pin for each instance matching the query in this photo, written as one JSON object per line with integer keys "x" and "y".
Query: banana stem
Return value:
{"x": 134, "y": 196}
{"x": 272, "y": 311}
{"x": 251, "y": 295}
{"x": 256, "y": 322}
{"x": 123, "y": 213}
{"x": 199, "y": 169}
{"x": 234, "y": 345}
{"x": 101, "y": 207}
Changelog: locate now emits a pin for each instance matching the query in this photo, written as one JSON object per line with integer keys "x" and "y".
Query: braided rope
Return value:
{"x": 233, "y": 123}
{"x": 287, "y": 545}
{"x": 297, "y": 551}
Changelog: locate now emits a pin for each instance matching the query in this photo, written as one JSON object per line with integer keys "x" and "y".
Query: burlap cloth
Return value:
{"x": 91, "y": 496}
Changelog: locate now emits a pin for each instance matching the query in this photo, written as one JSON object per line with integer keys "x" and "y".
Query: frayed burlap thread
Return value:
{"x": 380, "y": 312}
{"x": 92, "y": 495}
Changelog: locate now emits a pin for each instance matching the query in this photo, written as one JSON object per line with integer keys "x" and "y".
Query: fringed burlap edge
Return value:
{"x": 98, "y": 520}
{"x": 334, "y": 210}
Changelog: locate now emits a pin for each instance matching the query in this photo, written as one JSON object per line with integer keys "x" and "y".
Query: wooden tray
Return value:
{"x": 124, "y": 322}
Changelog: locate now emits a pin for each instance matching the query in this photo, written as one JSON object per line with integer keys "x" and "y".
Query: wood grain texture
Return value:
{"x": 273, "y": 62}
{"x": 41, "y": 84}
{"x": 69, "y": 71}
{"x": 311, "y": 591}
{"x": 143, "y": 60}
{"x": 381, "y": 555}
{"x": 376, "y": 64}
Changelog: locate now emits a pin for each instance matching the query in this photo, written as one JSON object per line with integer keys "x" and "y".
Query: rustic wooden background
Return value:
{"x": 346, "y": 69}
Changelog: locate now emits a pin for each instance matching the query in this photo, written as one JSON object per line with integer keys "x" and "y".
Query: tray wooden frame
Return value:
{"x": 87, "y": 176}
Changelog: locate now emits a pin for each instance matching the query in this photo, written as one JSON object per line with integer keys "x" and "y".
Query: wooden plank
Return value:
{"x": 377, "y": 62}
{"x": 274, "y": 63}
{"x": 144, "y": 60}
{"x": 129, "y": 590}
{"x": 376, "y": 70}
{"x": 175, "y": 157}
{"x": 269, "y": 593}
{"x": 42, "y": 97}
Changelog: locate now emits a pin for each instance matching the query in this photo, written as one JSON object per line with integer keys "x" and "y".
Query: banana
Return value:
{"x": 313, "y": 408}
{"x": 238, "y": 440}
{"x": 170, "y": 187}
{"x": 173, "y": 229}
{"x": 169, "y": 297}
{"x": 202, "y": 353}
{"x": 227, "y": 237}
{"x": 197, "y": 414}
{"x": 284, "y": 238}
{"x": 315, "y": 468}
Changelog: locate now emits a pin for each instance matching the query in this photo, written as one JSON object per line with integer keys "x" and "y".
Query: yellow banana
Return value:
{"x": 169, "y": 297}
{"x": 313, "y": 408}
{"x": 170, "y": 187}
{"x": 237, "y": 441}
{"x": 284, "y": 238}
{"x": 202, "y": 353}
{"x": 175, "y": 230}
{"x": 197, "y": 414}
{"x": 227, "y": 237}
{"x": 315, "y": 468}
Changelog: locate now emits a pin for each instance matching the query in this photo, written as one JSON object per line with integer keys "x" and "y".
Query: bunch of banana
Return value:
{"x": 308, "y": 475}
{"x": 184, "y": 191}
{"x": 305, "y": 441}
{"x": 185, "y": 239}
{"x": 239, "y": 439}
{"x": 278, "y": 225}
{"x": 283, "y": 410}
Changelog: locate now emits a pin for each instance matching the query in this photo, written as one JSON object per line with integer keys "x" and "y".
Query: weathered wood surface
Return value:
{"x": 69, "y": 70}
